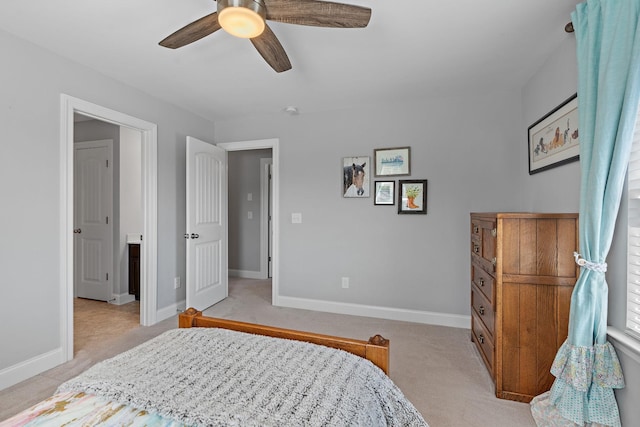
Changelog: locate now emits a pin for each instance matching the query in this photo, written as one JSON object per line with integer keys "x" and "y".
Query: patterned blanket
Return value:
{"x": 218, "y": 377}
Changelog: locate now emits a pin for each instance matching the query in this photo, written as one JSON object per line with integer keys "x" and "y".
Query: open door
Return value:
{"x": 207, "y": 227}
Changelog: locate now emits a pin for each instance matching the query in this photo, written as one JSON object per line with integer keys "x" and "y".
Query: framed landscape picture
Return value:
{"x": 392, "y": 161}
{"x": 385, "y": 193}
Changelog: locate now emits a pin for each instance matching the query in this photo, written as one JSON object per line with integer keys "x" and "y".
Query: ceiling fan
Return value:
{"x": 246, "y": 19}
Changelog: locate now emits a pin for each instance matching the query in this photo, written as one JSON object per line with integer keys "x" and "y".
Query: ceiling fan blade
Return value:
{"x": 192, "y": 32}
{"x": 268, "y": 45}
{"x": 318, "y": 13}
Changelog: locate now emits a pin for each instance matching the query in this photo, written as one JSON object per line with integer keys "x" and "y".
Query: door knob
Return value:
{"x": 194, "y": 235}
{"x": 77, "y": 230}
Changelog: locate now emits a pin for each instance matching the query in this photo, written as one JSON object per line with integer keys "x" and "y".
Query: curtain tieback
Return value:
{"x": 602, "y": 268}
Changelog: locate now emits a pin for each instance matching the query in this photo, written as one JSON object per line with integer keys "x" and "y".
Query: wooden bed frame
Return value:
{"x": 375, "y": 350}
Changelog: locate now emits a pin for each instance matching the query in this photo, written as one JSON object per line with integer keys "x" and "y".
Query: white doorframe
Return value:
{"x": 275, "y": 176}
{"x": 265, "y": 195}
{"x": 149, "y": 254}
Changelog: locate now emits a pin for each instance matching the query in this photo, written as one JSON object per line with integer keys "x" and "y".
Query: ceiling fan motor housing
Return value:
{"x": 242, "y": 18}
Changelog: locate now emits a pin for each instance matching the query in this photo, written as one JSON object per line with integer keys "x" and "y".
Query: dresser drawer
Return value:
{"x": 483, "y": 342}
{"x": 483, "y": 238}
{"x": 483, "y": 309}
{"x": 484, "y": 281}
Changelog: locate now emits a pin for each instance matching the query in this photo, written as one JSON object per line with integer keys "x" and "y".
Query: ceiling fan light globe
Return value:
{"x": 242, "y": 18}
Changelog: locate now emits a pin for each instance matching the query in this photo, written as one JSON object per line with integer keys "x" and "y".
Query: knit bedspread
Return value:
{"x": 218, "y": 377}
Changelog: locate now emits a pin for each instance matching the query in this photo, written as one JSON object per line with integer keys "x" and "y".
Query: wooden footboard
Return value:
{"x": 375, "y": 350}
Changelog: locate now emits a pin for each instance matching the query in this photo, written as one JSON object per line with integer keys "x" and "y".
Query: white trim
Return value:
{"x": 148, "y": 260}
{"x": 121, "y": 299}
{"x": 171, "y": 310}
{"x": 246, "y": 274}
{"x": 274, "y": 145}
{"x": 628, "y": 345}
{"x": 264, "y": 217}
{"x": 426, "y": 317}
{"x": 34, "y": 366}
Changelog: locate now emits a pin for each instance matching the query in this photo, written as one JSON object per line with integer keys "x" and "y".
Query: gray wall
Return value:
{"x": 463, "y": 144}
{"x": 559, "y": 188}
{"x": 244, "y": 233}
{"x": 30, "y": 188}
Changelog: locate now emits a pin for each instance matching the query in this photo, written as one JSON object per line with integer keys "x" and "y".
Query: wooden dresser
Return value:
{"x": 522, "y": 276}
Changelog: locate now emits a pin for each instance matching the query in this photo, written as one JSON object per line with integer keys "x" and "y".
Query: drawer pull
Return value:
{"x": 475, "y": 229}
{"x": 494, "y": 261}
{"x": 494, "y": 232}
{"x": 476, "y": 248}
{"x": 481, "y": 310}
{"x": 481, "y": 339}
{"x": 482, "y": 281}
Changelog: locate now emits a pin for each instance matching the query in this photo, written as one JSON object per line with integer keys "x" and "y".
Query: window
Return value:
{"x": 633, "y": 250}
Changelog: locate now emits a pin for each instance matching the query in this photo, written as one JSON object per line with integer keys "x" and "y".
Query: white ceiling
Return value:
{"x": 411, "y": 48}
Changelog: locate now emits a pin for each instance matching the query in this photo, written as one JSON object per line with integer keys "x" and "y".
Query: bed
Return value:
{"x": 219, "y": 372}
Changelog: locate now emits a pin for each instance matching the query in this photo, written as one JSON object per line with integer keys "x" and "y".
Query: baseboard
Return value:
{"x": 416, "y": 316}
{"x": 246, "y": 274}
{"x": 29, "y": 368}
{"x": 172, "y": 310}
{"x": 122, "y": 299}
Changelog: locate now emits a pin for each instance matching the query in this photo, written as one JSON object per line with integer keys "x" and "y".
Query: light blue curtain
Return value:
{"x": 586, "y": 367}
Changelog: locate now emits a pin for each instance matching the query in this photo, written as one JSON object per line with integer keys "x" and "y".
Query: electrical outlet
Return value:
{"x": 345, "y": 283}
{"x": 176, "y": 282}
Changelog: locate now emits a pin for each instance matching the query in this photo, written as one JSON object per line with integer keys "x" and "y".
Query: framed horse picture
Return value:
{"x": 355, "y": 176}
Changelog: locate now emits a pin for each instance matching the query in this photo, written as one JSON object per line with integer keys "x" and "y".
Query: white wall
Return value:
{"x": 558, "y": 189}
{"x": 463, "y": 144}
{"x": 131, "y": 214}
{"x": 30, "y": 190}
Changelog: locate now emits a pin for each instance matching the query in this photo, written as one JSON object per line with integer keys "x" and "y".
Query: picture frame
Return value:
{"x": 412, "y": 196}
{"x": 553, "y": 140}
{"x": 384, "y": 193}
{"x": 355, "y": 176}
{"x": 392, "y": 161}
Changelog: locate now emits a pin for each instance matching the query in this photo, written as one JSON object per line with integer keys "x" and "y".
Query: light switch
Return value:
{"x": 250, "y": 215}
{"x": 296, "y": 218}
{"x": 250, "y": 197}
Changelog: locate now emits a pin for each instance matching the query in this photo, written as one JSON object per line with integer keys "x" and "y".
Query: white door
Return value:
{"x": 93, "y": 232}
{"x": 207, "y": 228}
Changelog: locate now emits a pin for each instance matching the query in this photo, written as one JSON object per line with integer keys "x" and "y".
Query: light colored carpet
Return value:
{"x": 436, "y": 367}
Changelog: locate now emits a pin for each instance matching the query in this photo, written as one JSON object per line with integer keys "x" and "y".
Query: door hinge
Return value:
{"x": 107, "y": 277}
{"x": 269, "y": 258}
{"x": 107, "y": 220}
{"x": 107, "y": 162}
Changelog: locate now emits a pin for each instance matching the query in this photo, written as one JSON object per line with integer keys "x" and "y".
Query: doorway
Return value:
{"x": 148, "y": 254}
{"x": 272, "y": 144}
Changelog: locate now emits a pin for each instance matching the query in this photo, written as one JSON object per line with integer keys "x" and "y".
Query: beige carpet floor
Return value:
{"x": 436, "y": 367}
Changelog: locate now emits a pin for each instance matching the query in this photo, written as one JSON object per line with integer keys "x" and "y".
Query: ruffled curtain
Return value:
{"x": 586, "y": 367}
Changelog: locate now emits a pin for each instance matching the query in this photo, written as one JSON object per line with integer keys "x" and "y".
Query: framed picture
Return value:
{"x": 412, "y": 196}
{"x": 553, "y": 140}
{"x": 385, "y": 193}
{"x": 392, "y": 161}
{"x": 355, "y": 176}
